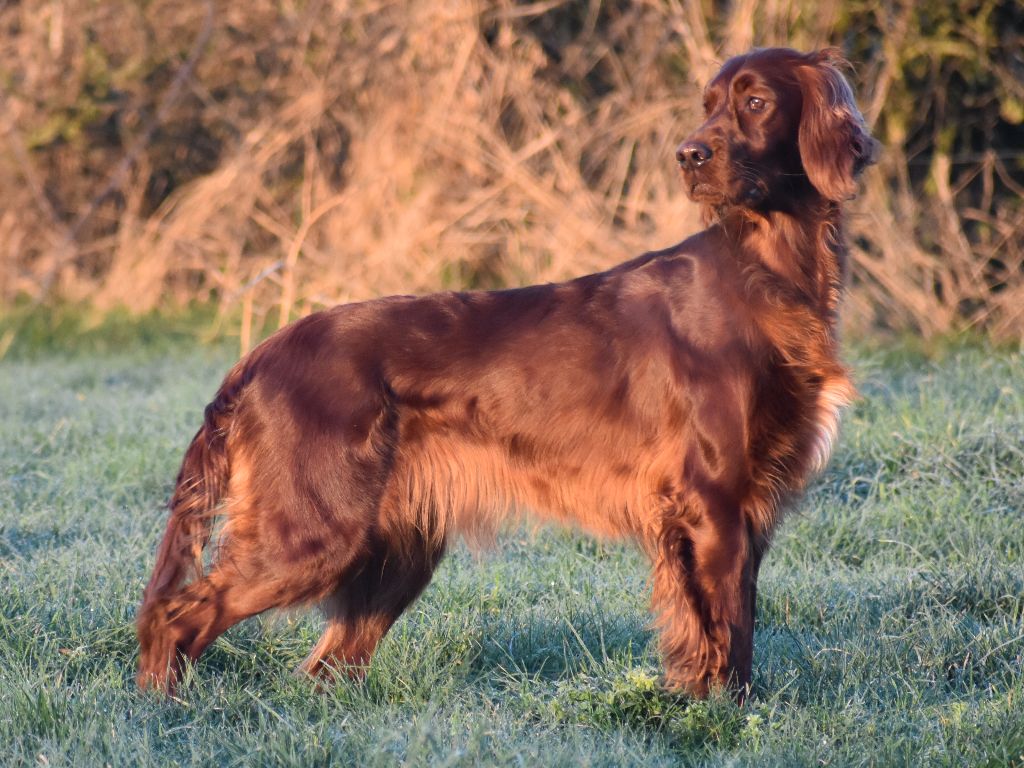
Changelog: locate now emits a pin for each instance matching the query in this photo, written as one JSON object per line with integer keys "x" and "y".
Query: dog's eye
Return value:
{"x": 755, "y": 104}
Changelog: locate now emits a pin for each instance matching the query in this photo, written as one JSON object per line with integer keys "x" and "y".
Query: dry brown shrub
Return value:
{"x": 282, "y": 157}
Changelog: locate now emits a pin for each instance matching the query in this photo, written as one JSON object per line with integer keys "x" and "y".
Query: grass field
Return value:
{"x": 891, "y": 617}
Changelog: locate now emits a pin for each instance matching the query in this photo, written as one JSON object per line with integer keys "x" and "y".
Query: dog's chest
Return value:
{"x": 796, "y": 428}
{"x": 835, "y": 395}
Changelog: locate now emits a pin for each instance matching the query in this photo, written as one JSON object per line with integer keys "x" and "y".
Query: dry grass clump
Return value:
{"x": 287, "y": 156}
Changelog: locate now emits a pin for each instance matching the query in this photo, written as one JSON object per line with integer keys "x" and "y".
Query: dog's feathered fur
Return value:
{"x": 678, "y": 399}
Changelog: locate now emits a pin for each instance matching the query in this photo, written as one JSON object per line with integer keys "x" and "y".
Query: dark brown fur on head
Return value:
{"x": 781, "y": 127}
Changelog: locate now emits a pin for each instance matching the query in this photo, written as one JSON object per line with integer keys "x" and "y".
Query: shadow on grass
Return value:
{"x": 554, "y": 648}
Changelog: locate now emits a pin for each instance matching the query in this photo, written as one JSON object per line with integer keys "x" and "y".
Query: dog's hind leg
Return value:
{"x": 237, "y": 586}
{"x": 275, "y": 554}
{"x": 366, "y": 603}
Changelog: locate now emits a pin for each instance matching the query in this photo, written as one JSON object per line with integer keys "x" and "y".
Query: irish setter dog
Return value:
{"x": 680, "y": 399}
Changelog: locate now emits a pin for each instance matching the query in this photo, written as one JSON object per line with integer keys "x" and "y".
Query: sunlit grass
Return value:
{"x": 892, "y": 604}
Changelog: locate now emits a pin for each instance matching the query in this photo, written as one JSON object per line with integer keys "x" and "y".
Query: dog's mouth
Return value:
{"x": 703, "y": 192}
{"x": 700, "y": 185}
{"x": 750, "y": 195}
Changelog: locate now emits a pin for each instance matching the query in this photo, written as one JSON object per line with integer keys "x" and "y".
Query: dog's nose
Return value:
{"x": 693, "y": 154}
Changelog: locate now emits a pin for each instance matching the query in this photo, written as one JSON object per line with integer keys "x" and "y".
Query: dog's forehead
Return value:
{"x": 767, "y": 65}
{"x": 725, "y": 74}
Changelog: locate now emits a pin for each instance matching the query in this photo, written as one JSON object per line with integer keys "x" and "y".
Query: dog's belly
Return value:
{"x": 471, "y": 489}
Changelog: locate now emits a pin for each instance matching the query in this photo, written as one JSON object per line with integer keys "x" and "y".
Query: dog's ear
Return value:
{"x": 835, "y": 145}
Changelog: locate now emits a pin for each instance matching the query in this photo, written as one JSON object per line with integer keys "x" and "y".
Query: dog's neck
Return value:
{"x": 805, "y": 253}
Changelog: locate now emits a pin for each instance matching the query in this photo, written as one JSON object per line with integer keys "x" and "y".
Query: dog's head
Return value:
{"x": 776, "y": 121}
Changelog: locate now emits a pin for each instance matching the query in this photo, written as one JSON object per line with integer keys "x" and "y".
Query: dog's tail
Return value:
{"x": 201, "y": 484}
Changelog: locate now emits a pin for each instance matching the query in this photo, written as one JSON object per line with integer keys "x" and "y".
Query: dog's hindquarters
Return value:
{"x": 296, "y": 457}
{"x": 264, "y": 556}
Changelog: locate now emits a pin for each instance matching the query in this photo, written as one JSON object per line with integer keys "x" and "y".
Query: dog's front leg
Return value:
{"x": 704, "y": 577}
